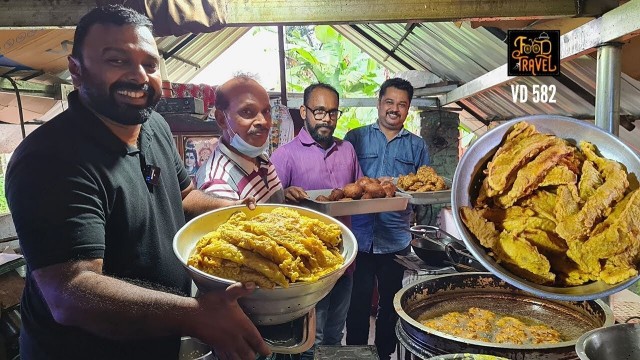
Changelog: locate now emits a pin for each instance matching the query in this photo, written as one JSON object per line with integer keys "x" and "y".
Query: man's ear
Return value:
{"x": 220, "y": 119}
{"x": 75, "y": 68}
{"x": 303, "y": 112}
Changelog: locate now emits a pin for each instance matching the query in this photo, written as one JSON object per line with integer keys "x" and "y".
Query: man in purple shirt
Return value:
{"x": 316, "y": 160}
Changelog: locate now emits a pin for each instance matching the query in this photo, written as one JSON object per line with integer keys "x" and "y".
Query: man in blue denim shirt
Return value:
{"x": 384, "y": 149}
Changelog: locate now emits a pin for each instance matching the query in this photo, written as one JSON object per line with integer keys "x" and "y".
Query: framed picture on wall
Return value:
{"x": 176, "y": 141}
{"x": 196, "y": 150}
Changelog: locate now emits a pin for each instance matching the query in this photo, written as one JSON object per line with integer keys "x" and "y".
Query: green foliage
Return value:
{"x": 4, "y": 208}
{"x": 320, "y": 54}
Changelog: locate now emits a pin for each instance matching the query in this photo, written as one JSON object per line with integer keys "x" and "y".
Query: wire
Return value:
{"x": 15, "y": 87}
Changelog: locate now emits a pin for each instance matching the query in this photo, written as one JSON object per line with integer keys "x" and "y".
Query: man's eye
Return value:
{"x": 116, "y": 61}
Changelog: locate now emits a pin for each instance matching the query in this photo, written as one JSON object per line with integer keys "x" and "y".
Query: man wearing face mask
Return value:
{"x": 239, "y": 167}
{"x": 313, "y": 160}
{"x": 102, "y": 280}
{"x": 384, "y": 148}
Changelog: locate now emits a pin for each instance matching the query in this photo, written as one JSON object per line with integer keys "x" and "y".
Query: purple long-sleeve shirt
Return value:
{"x": 304, "y": 163}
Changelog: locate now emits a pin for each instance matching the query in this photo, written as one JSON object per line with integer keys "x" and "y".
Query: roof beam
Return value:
{"x": 179, "y": 17}
{"x": 28, "y": 88}
{"x": 619, "y": 24}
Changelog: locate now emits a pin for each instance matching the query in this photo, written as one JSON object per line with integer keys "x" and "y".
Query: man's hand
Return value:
{"x": 250, "y": 201}
{"x": 222, "y": 324}
{"x": 294, "y": 194}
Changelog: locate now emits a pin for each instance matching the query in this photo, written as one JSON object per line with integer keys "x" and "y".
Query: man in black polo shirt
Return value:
{"x": 97, "y": 194}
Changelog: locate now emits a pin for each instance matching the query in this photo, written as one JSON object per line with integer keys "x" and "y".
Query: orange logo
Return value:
{"x": 534, "y": 52}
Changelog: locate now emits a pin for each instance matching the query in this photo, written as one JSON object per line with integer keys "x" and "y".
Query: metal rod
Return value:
{"x": 607, "y": 111}
{"x": 283, "y": 69}
{"x": 15, "y": 87}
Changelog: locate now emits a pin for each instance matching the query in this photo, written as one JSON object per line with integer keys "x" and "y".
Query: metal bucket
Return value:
{"x": 616, "y": 342}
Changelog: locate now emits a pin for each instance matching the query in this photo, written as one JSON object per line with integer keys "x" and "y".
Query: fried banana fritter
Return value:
{"x": 425, "y": 179}
{"x": 275, "y": 248}
{"x": 555, "y": 213}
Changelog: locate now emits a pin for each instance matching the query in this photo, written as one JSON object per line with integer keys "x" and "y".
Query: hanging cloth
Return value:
{"x": 282, "y": 128}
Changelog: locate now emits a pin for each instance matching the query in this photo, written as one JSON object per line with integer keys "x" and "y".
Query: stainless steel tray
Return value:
{"x": 429, "y": 197}
{"x": 354, "y": 207}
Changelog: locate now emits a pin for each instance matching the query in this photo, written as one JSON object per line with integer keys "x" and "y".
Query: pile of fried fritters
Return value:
{"x": 363, "y": 189}
{"x": 556, "y": 214}
{"x": 425, "y": 179}
{"x": 271, "y": 248}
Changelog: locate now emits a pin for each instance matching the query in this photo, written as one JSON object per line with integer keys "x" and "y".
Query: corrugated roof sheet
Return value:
{"x": 198, "y": 53}
{"x": 461, "y": 53}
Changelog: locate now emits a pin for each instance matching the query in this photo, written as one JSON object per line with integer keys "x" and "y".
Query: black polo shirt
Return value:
{"x": 78, "y": 192}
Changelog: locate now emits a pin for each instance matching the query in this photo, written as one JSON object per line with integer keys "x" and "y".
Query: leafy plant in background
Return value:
{"x": 4, "y": 208}
{"x": 321, "y": 54}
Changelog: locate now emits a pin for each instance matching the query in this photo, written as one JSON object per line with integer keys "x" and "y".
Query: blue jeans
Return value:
{"x": 331, "y": 315}
{"x": 388, "y": 273}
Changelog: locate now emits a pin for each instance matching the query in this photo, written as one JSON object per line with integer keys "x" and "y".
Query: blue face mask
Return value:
{"x": 244, "y": 147}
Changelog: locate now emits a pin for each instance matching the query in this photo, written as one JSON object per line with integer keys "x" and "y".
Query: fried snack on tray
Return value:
{"x": 557, "y": 214}
{"x": 275, "y": 248}
{"x": 425, "y": 179}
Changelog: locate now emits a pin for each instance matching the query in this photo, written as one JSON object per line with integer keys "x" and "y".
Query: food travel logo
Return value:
{"x": 534, "y": 52}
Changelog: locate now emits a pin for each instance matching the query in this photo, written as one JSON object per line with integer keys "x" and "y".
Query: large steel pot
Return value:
{"x": 264, "y": 306}
{"x": 468, "y": 178}
{"x": 457, "y": 292}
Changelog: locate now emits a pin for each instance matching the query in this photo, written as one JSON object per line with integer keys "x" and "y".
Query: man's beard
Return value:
{"x": 320, "y": 139}
{"x": 125, "y": 114}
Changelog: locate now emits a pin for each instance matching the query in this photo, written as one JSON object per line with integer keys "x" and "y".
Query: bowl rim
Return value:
{"x": 348, "y": 260}
{"x": 580, "y": 350}
{"x": 551, "y": 292}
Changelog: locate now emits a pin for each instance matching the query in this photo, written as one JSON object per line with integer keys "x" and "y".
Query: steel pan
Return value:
{"x": 457, "y": 292}
{"x": 468, "y": 177}
{"x": 264, "y": 306}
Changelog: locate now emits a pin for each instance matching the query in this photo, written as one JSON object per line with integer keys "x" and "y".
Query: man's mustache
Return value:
{"x": 391, "y": 112}
{"x": 320, "y": 126}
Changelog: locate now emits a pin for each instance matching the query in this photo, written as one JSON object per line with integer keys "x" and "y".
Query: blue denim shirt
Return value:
{"x": 385, "y": 233}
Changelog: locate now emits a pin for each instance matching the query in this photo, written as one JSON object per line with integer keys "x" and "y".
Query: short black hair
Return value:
{"x": 108, "y": 14}
{"x": 221, "y": 100}
{"x": 397, "y": 83}
{"x": 309, "y": 90}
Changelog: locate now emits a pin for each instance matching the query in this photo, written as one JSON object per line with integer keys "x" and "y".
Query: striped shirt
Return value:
{"x": 227, "y": 174}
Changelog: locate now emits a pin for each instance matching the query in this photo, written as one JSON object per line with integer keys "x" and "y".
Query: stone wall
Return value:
{"x": 439, "y": 129}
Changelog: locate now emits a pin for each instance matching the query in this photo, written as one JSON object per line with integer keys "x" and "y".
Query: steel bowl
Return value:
{"x": 264, "y": 306}
{"x": 468, "y": 177}
{"x": 619, "y": 342}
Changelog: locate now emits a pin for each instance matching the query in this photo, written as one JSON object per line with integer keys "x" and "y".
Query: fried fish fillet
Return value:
{"x": 218, "y": 248}
{"x": 525, "y": 258}
{"x": 590, "y": 180}
{"x": 529, "y": 177}
{"x": 618, "y": 234}
{"x": 501, "y": 171}
{"x": 559, "y": 175}
{"x": 576, "y": 227}
{"x": 567, "y": 201}
{"x": 543, "y": 203}
{"x": 268, "y": 248}
{"x": 230, "y": 270}
{"x": 484, "y": 230}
